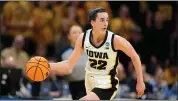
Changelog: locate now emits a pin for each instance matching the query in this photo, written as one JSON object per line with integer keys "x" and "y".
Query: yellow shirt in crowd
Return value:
{"x": 20, "y": 58}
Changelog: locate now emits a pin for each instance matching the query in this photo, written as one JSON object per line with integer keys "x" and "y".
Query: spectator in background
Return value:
{"x": 42, "y": 23}
{"x": 147, "y": 33}
{"x": 160, "y": 87}
{"x": 17, "y": 20}
{"x": 17, "y": 17}
{"x": 76, "y": 79}
{"x": 8, "y": 62}
{"x": 15, "y": 56}
{"x": 137, "y": 42}
{"x": 148, "y": 20}
{"x": 58, "y": 9}
{"x": 8, "y": 86}
{"x": 174, "y": 91}
{"x": 89, "y": 5}
{"x": 152, "y": 66}
{"x": 6, "y": 39}
{"x": 16, "y": 52}
{"x": 62, "y": 41}
{"x": 65, "y": 23}
{"x": 159, "y": 31}
{"x": 121, "y": 74}
{"x": 170, "y": 75}
{"x": 78, "y": 13}
{"x": 123, "y": 24}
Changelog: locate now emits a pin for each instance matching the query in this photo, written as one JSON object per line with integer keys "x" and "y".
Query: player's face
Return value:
{"x": 74, "y": 33}
{"x": 101, "y": 22}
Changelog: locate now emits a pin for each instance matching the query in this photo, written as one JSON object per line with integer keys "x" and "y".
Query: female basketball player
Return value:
{"x": 102, "y": 48}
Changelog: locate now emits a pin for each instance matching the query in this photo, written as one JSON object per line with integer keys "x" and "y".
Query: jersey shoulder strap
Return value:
{"x": 83, "y": 39}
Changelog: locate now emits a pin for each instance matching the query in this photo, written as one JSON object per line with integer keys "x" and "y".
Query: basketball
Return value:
{"x": 37, "y": 69}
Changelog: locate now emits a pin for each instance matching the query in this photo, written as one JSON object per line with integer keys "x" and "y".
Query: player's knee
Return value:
{"x": 83, "y": 98}
{"x": 90, "y": 96}
{"x": 86, "y": 98}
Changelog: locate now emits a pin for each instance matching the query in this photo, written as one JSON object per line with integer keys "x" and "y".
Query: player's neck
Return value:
{"x": 96, "y": 36}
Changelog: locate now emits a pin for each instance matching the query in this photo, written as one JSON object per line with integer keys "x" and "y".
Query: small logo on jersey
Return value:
{"x": 107, "y": 43}
{"x": 107, "y": 47}
{"x": 87, "y": 46}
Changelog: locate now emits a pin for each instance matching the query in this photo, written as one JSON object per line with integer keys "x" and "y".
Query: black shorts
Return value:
{"x": 105, "y": 94}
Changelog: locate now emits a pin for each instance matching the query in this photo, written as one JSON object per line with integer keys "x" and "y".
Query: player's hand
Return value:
{"x": 140, "y": 87}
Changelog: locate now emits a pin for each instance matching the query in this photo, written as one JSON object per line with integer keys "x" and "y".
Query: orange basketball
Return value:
{"x": 37, "y": 69}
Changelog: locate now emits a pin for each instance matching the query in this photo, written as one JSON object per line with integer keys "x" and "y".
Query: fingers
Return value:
{"x": 140, "y": 93}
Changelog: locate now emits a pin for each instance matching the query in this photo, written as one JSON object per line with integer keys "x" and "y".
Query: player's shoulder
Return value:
{"x": 117, "y": 40}
{"x": 114, "y": 39}
{"x": 83, "y": 35}
{"x": 85, "y": 32}
{"x": 81, "y": 38}
{"x": 111, "y": 33}
{"x": 115, "y": 36}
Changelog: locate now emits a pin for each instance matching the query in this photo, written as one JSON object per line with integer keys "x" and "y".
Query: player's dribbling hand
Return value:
{"x": 140, "y": 88}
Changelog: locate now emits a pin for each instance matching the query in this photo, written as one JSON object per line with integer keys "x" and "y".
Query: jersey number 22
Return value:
{"x": 102, "y": 64}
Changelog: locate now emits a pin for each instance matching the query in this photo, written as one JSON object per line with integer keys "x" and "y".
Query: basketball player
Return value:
{"x": 101, "y": 46}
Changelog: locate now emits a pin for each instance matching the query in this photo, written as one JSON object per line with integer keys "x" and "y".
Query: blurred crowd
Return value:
{"x": 40, "y": 28}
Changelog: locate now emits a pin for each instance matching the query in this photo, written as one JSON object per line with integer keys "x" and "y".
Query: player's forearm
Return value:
{"x": 61, "y": 68}
{"x": 137, "y": 64}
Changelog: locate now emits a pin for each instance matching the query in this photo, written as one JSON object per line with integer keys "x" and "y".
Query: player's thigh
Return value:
{"x": 105, "y": 94}
{"x": 88, "y": 83}
{"x": 90, "y": 96}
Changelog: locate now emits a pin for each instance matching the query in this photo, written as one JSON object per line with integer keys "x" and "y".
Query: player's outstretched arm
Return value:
{"x": 66, "y": 67}
{"x": 122, "y": 44}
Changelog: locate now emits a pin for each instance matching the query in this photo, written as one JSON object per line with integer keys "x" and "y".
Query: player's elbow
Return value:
{"x": 71, "y": 65}
{"x": 69, "y": 71}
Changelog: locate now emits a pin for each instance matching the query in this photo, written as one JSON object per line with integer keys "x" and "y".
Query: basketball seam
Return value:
{"x": 36, "y": 68}
{"x": 40, "y": 64}
{"x": 30, "y": 69}
{"x": 40, "y": 61}
{"x": 41, "y": 72}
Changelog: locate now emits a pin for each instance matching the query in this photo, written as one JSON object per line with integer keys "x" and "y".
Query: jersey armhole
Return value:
{"x": 83, "y": 39}
{"x": 112, "y": 43}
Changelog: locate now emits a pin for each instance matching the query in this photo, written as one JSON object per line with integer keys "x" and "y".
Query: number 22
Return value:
{"x": 102, "y": 64}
